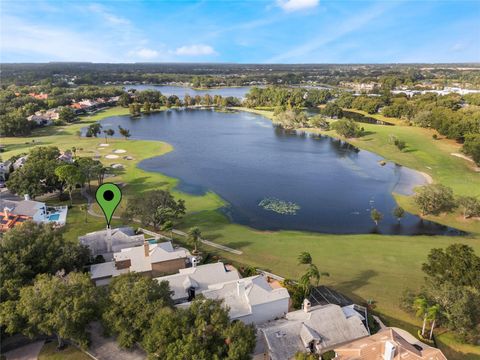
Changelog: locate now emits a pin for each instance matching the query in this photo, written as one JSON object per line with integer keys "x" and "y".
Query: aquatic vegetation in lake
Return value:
{"x": 279, "y": 206}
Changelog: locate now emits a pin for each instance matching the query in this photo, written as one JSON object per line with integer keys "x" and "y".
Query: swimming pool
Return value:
{"x": 54, "y": 217}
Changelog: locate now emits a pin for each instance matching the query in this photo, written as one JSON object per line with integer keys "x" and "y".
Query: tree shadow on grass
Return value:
{"x": 359, "y": 281}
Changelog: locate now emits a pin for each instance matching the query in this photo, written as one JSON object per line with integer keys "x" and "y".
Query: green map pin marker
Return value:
{"x": 108, "y": 196}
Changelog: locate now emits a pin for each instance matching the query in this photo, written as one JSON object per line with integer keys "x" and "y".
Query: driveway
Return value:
{"x": 107, "y": 348}
{"x": 27, "y": 352}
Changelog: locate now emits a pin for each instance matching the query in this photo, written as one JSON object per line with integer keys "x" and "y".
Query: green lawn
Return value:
{"x": 50, "y": 352}
{"x": 362, "y": 266}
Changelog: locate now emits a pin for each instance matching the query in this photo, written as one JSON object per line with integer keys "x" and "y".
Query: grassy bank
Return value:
{"x": 363, "y": 266}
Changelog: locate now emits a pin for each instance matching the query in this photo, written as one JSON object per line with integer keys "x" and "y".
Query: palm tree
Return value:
{"x": 194, "y": 236}
{"x": 432, "y": 315}
{"x": 421, "y": 305}
{"x": 312, "y": 273}
{"x": 168, "y": 226}
{"x": 304, "y": 258}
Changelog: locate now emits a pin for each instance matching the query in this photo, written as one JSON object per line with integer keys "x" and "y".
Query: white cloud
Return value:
{"x": 195, "y": 50}
{"x": 295, "y": 5}
{"x": 348, "y": 25}
{"x": 108, "y": 16}
{"x": 146, "y": 53}
{"x": 49, "y": 42}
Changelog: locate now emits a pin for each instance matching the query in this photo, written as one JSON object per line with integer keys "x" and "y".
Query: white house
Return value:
{"x": 251, "y": 300}
{"x": 33, "y": 210}
{"x": 316, "y": 329}
{"x": 194, "y": 280}
{"x": 107, "y": 242}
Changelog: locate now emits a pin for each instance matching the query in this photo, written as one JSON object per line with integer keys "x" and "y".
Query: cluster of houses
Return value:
{"x": 325, "y": 326}
{"x": 89, "y": 105}
{"x": 44, "y": 118}
{"x": 48, "y": 117}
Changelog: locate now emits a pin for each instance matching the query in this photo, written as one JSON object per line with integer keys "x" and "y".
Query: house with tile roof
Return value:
{"x": 388, "y": 344}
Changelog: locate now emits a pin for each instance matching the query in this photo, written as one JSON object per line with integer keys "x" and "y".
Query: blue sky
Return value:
{"x": 256, "y": 31}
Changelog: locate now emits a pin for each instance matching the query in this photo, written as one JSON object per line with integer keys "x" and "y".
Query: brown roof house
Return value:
{"x": 388, "y": 344}
{"x": 151, "y": 259}
{"x": 314, "y": 329}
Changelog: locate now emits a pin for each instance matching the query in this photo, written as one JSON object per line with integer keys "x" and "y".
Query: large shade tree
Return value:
{"x": 37, "y": 176}
{"x": 53, "y": 305}
{"x": 155, "y": 208}
{"x": 202, "y": 331}
{"x": 131, "y": 303}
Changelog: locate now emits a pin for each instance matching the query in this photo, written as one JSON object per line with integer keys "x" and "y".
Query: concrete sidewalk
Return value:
{"x": 27, "y": 352}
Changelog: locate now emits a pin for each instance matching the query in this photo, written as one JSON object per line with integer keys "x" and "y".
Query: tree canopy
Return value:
{"x": 53, "y": 305}
{"x": 202, "y": 331}
{"x": 131, "y": 303}
{"x": 155, "y": 208}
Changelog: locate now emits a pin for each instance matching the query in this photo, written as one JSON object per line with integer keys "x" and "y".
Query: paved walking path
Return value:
{"x": 103, "y": 348}
{"x": 92, "y": 212}
{"x": 27, "y": 352}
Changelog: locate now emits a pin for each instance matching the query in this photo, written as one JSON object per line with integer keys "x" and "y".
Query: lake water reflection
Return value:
{"x": 242, "y": 158}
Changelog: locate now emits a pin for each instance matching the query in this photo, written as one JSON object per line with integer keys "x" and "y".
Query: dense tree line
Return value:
{"x": 204, "y": 75}
{"x": 286, "y": 97}
{"x": 451, "y": 294}
{"x": 44, "y": 173}
{"x": 16, "y": 104}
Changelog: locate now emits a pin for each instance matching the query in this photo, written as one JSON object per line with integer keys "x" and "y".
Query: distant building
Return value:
{"x": 66, "y": 156}
{"x": 4, "y": 170}
{"x": 40, "y": 96}
{"x": 14, "y": 213}
{"x": 154, "y": 260}
{"x": 387, "y": 344}
{"x": 44, "y": 118}
{"x": 316, "y": 329}
{"x": 19, "y": 162}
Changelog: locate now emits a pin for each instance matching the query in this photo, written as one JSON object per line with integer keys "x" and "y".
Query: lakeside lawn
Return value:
{"x": 366, "y": 266}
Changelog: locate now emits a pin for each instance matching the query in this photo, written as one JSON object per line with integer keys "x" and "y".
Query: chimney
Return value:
{"x": 146, "y": 248}
{"x": 194, "y": 261}
{"x": 306, "y": 306}
{"x": 109, "y": 239}
{"x": 389, "y": 351}
{"x": 6, "y": 212}
{"x": 26, "y": 197}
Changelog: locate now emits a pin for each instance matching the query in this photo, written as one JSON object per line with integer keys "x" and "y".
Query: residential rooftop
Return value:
{"x": 387, "y": 344}
{"x": 317, "y": 329}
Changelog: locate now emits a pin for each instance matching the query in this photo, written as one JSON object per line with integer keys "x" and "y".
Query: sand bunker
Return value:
{"x": 111, "y": 156}
{"x": 120, "y": 151}
{"x": 117, "y": 166}
{"x": 128, "y": 158}
{"x": 103, "y": 145}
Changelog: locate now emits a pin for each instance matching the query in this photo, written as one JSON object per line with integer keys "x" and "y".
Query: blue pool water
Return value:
{"x": 54, "y": 217}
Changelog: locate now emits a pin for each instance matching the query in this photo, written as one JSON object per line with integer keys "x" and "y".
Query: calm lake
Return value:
{"x": 244, "y": 159}
{"x": 180, "y": 91}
